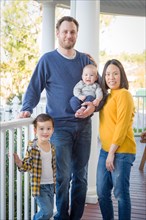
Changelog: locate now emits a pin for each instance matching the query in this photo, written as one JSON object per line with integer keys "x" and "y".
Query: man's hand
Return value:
{"x": 88, "y": 111}
{"x": 92, "y": 59}
{"x": 24, "y": 114}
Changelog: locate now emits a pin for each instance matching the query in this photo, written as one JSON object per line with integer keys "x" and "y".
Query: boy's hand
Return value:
{"x": 17, "y": 160}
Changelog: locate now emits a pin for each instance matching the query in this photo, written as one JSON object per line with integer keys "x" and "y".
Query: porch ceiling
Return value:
{"x": 122, "y": 7}
{"x": 125, "y": 7}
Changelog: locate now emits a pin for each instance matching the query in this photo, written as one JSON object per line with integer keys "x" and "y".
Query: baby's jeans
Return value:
{"x": 77, "y": 103}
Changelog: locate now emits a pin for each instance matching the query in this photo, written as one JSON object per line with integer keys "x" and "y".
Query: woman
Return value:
{"x": 118, "y": 145}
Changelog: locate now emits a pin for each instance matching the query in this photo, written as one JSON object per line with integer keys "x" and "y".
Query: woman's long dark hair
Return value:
{"x": 123, "y": 79}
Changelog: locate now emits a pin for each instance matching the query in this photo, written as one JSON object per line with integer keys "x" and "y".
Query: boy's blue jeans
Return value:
{"x": 119, "y": 181}
{"x": 72, "y": 141}
{"x": 45, "y": 201}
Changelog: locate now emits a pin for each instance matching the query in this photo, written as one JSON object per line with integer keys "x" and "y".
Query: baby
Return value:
{"x": 86, "y": 90}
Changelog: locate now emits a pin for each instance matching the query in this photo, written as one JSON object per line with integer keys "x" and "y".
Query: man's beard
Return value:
{"x": 67, "y": 46}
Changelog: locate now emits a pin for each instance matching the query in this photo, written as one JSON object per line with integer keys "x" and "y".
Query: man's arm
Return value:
{"x": 34, "y": 89}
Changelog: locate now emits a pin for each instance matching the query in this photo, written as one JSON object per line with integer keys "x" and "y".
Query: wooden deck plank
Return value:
{"x": 137, "y": 190}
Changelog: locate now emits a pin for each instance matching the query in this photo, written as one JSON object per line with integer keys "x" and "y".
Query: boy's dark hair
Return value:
{"x": 67, "y": 18}
{"x": 42, "y": 118}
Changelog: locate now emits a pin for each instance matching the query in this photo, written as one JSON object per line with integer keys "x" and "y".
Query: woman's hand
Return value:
{"x": 110, "y": 162}
{"x": 110, "y": 158}
{"x": 96, "y": 102}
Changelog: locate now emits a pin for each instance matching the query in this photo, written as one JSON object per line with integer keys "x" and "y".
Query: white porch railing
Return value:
{"x": 15, "y": 196}
{"x": 15, "y": 190}
{"x": 139, "y": 124}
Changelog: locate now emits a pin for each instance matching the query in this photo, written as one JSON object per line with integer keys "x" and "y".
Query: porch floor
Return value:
{"x": 137, "y": 190}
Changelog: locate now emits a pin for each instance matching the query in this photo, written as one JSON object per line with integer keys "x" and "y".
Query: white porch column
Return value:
{"x": 48, "y": 27}
{"x": 87, "y": 14}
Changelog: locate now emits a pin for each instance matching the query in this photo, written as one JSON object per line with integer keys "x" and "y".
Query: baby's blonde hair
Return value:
{"x": 91, "y": 66}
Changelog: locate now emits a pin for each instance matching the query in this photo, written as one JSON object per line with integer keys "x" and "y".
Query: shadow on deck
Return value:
{"x": 137, "y": 190}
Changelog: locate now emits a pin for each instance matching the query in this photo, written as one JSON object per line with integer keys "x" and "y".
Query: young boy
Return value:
{"x": 40, "y": 161}
{"x": 86, "y": 90}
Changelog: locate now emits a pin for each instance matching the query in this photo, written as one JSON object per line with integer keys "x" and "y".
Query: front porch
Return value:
{"x": 15, "y": 194}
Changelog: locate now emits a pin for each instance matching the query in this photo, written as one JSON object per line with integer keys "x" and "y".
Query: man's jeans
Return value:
{"x": 119, "y": 180}
{"x": 72, "y": 141}
{"x": 45, "y": 201}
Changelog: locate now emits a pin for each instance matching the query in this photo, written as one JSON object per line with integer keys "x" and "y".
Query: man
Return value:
{"x": 57, "y": 72}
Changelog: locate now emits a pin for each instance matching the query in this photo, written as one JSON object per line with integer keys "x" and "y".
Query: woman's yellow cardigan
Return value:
{"x": 116, "y": 119}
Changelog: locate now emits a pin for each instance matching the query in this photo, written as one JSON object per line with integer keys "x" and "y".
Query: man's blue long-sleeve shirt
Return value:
{"x": 58, "y": 76}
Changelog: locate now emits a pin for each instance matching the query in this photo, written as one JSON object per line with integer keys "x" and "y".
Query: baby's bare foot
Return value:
{"x": 81, "y": 110}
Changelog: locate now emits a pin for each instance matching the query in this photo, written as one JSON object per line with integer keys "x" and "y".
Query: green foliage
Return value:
{"x": 134, "y": 63}
{"x": 105, "y": 21}
{"x": 11, "y": 96}
{"x": 131, "y": 58}
{"x": 20, "y": 50}
{"x": 140, "y": 130}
